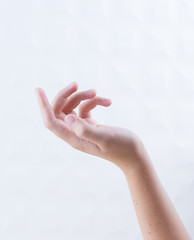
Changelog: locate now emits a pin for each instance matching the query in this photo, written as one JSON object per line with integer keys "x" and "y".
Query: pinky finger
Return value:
{"x": 87, "y": 106}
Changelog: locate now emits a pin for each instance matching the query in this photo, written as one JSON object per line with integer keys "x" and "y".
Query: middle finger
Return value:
{"x": 74, "y": 100}
{"x": 61, "y": 98}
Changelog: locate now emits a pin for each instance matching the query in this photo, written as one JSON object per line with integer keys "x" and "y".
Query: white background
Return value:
{"x": 138, "y": 53}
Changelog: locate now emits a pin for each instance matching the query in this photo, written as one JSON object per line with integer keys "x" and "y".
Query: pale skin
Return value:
{"x": 156, "y": 214}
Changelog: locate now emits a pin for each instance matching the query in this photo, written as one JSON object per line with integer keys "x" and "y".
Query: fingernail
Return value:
{"x": 70, "y": 119}
{"x": 71, "y": 84}
{"x": 106, "y": 101}
{"x": 90, "y": 92}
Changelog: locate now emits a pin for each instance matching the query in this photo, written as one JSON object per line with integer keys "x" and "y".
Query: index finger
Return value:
{"x": 45, "y": 108}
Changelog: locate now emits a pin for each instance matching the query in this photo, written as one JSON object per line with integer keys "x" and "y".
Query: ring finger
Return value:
{"x": 87, "y": 106}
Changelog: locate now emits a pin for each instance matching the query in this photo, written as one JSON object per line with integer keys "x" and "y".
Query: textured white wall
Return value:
{"x": 138, "y": 53}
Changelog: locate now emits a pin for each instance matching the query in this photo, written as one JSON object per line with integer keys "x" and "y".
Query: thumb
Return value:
{"x": 83, "y": 129}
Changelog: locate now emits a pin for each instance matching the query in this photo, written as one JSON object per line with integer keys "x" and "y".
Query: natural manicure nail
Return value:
{"x": 106, "y": 101}
{"x": 90, "y": 93}
{"x": 70, "y": 120}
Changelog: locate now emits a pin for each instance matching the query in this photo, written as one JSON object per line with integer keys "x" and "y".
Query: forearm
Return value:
{"x": 156, "y": 214}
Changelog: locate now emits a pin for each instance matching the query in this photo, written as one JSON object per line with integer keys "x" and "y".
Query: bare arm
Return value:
{"x": 156, "y": 214}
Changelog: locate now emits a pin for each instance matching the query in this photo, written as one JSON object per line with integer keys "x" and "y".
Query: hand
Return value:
{"x": 115, "y": 144}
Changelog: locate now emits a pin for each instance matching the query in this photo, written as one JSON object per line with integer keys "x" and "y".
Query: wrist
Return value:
{"x": 138, "y": 161}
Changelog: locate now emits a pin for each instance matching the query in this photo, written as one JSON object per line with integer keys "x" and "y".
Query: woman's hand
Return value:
{"x": 115, "y": 144}
{"x": 156, "y": 214}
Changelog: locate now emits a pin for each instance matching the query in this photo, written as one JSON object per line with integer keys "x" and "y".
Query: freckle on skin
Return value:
{"x": 136, "y": 203}
{"x": 150, "y": 224}
{"x": 149, "y": 232}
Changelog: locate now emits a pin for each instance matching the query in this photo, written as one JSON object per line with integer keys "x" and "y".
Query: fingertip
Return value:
{"x": 74, "y": 85}
{"x": 74, "y": 82}
{"x": 107, "y": 102}
{"x": 37, "y": 91}
{"x": 91, "y": 93}
{"x": 110, "y": 101}
{"x": 94, "y": 91}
